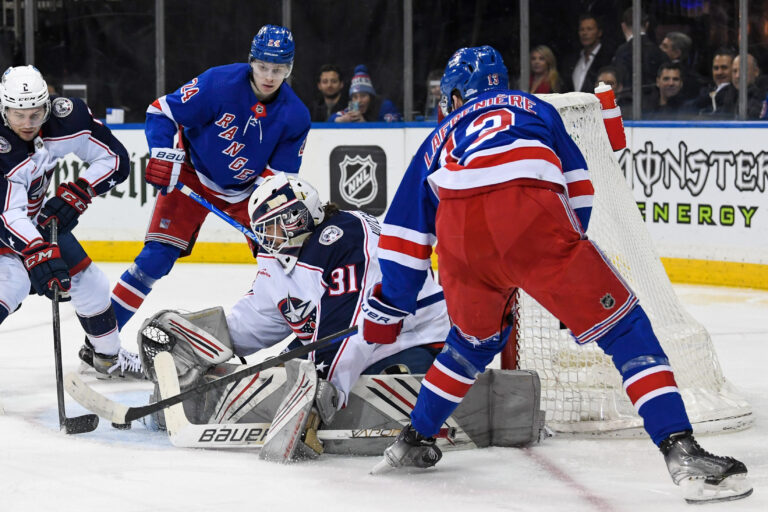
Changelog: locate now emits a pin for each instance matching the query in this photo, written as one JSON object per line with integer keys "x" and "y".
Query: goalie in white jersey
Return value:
{"x": 315, "y": 264}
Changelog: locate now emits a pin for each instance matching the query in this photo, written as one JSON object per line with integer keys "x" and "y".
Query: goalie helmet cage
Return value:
{"x": 581, "y": 390}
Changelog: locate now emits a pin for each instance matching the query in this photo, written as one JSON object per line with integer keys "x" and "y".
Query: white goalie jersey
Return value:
{"x": 322, "y": 294}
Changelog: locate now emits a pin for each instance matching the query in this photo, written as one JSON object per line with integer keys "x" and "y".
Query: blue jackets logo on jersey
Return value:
{"x": 330, "y": 234}
{"x": 5, "y": 146}
{"x": 301, "y": 316}
{"x": 62, "y": 107}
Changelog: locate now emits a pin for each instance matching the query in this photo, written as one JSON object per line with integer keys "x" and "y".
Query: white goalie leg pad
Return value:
{"x": 284, "y": 441}
{"x": 204, "y": 331}
{"x": 241, "y": 397}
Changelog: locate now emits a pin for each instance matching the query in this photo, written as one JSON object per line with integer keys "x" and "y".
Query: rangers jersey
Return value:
{"x": 27, "y": 167}
{"x": 494, "y": 138}
{"x": 322, "y": 295}
{"x": 231, "y": 137}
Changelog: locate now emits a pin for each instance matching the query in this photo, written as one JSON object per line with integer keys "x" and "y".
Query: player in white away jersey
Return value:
{"x": 316, "y": 264}
{"x": 36, "y": 132}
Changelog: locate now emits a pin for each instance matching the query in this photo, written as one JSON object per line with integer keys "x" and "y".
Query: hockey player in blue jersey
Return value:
{"x": 236, "y": 125}
{"x": 37, "y": 131}
{"x": 506, "y": 194}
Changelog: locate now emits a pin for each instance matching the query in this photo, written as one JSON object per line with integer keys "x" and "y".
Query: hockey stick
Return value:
{"x": 219, "y": 213}
{"x": 122, "y": 414}
{"x": 78, "y": 424}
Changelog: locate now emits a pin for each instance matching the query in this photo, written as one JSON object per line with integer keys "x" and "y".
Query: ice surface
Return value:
{"x": 42, "y": 469}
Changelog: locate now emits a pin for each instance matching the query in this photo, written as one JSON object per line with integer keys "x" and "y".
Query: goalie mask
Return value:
{"x": 23, "y": 87}
{"x": 471, "y": 71}
{"x": 284, "y": 211}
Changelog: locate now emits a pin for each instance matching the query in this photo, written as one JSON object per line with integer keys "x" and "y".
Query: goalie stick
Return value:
{"x": 122, "y": 414}
{"x": 219, "y": 213}
{"x": 78, "y": 424}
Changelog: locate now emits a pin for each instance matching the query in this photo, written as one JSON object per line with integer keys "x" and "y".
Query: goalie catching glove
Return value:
{"x": 164, "y": 167}
{"x": 70, "y": 201}
{"x": 382, "y": 323}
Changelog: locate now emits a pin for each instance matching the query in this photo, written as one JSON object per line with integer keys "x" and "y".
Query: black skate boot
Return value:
{"x": 704, "y": 477}
{"x": 409, "y": 449}
{"x": 122, "y": 364}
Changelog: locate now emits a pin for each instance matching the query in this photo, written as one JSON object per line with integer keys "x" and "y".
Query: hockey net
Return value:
{"x": 581, "y": 391}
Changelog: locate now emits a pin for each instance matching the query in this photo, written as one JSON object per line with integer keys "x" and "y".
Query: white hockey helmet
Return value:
{"x": 284, "y": 211}
{"x": 23, "y": 87}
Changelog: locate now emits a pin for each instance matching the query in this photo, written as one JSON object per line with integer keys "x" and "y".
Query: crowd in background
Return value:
{"x": 687, "y": 74}
{"x": 672, "y": 88}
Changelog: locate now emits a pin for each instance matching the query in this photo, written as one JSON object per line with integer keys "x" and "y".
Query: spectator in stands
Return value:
{"x": 544, "y": 76}
{"x": 677, "y": 47}
{"x": 330, "y": 84}
{"x": 580, "y": 67}
{"x": 364, "y": 104}
{"x": 711, "y": 98}
{"x": 755, "y": 89}
{"x": 652, "y": 56}
{"x": 433, "y": 95}
{"x": 666, "y": 102}
{"x": 611, "y": 75}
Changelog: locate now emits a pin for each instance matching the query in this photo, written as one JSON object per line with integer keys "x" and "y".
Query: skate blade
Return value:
{"x": 382, "y": 467}
{"x": 697, "y": 492}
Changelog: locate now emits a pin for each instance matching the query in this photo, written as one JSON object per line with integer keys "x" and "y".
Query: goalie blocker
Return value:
{"x": 501, "y": 409}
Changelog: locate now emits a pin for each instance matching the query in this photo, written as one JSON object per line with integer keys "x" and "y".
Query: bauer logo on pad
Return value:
{"x": 359, "y": 178}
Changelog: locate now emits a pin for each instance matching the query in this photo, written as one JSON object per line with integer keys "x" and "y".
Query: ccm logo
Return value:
{"x": 38, "y": 257}
{"x": 74, "y": 201}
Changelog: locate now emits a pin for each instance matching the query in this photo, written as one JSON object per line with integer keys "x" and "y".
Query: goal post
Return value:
{"x": 581, "y": 390}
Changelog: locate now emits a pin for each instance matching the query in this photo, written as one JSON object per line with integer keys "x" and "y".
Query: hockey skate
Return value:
{"x": 123, "y": 364}
{"x": 409, "y": 449}
{"x": 704, "y": 477}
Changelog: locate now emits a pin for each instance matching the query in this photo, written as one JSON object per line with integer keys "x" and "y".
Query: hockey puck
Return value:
{"x": 122, "y": 426}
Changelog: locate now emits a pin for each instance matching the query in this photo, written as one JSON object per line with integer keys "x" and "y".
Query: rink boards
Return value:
{"x": 699, "y": 186}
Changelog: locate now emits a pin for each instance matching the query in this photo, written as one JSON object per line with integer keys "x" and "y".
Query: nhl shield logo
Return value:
{"x": 358, "y": 184}
{"x": 608, "y": 301}
{"x": 359, "y": 178}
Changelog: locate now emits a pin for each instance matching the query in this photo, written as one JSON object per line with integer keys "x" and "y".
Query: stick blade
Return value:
{"x": 81, "y": 424}
{"x": 93, "y": 401}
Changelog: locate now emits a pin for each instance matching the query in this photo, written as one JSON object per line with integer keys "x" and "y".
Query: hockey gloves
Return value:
{"x": 164, "y": 167}
{"x": 45, "y": 267}
{"x": 66, "y": 206}
{"x": 382, "y": 323}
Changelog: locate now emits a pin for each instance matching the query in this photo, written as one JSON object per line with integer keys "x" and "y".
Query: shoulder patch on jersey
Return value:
{"x": 5, "y": 146}
{"x": 330, "y": 234}
{"x": 62, "y": 107}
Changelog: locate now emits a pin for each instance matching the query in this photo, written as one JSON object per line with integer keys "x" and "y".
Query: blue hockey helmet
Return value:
{"x": 273, "y": 43}
{"x": 471, "y": 71}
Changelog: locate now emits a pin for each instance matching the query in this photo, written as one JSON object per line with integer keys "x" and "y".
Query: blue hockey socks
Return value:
{"x": 648, "y": 378}
{"x": 452, "y": 374}
{"x": 153, "y": 262}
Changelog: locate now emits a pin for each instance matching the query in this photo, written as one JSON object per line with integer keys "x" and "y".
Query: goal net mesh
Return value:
{"x": 581, "y": 389}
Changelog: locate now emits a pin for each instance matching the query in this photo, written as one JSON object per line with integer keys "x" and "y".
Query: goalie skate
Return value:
{"x": 704, "y": 477}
